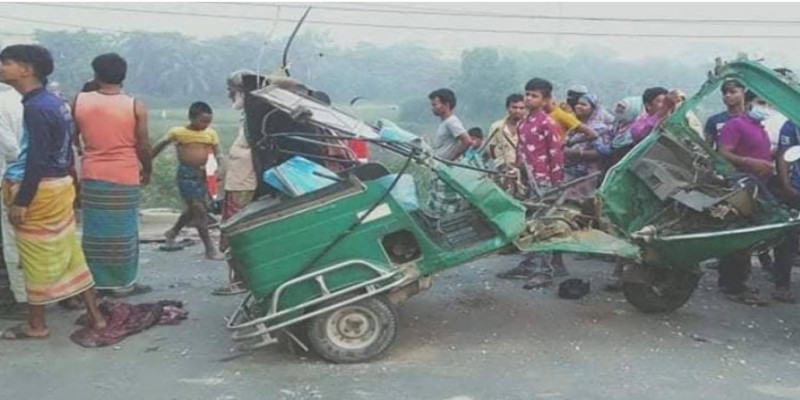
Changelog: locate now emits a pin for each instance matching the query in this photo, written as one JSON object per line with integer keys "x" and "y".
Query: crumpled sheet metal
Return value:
{"x": 590, "y": 241}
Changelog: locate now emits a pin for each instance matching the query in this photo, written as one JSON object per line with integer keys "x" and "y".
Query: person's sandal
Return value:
{"x": 17, "y": 333}
{"x": 521, "y": 272}
{"x": 539, "y": 280}
{"x": 748, "y": 298}
{"x": 230, "y": 289}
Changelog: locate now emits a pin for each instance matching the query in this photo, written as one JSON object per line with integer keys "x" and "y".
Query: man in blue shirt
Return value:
{"x": 789, "y": 192}
{"x": 40, "y": 195}
{"x": 733, "y": 98}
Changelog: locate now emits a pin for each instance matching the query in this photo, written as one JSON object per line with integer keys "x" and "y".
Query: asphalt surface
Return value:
{"x": 470, "y": 337}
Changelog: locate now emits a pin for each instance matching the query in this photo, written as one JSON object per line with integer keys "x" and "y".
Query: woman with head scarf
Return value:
{"x": 626, "y": 112}
{"x": 586, "y": 157}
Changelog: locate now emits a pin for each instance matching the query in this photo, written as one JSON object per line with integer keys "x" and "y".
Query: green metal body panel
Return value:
{"x": 629, "y": 204}
{"x": 278, "y": 249}
{"x": 503, "y": 211}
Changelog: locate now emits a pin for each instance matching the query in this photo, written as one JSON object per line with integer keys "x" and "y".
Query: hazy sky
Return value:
{"x": 776, "y": 50}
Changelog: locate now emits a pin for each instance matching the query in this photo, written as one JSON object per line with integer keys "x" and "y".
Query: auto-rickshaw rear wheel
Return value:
{"x": 355, "y": 332}
{"x": 663, "y": 289}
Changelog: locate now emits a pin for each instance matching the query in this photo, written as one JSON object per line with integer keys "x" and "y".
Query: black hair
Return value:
{"x": 198, "y": 108}
{"x": 749, "y": 96}
{"x": 731, "y": 82}
{"x": 514, "y": 98}
{"x": 475, "y": 132}
{"x": 110, "y": 68}
{"x": 91, "y": 86}
{"x": 652, "y": 93}
{"x": 539, "y": 85}
{"x": 445, "y": 96}
{"x": 38, "y": 57}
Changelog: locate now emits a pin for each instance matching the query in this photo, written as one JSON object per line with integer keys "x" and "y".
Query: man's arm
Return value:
{"x": 491, "y": 144}
{"x": 456, "y": 128}
{"x": 77, "y": 138}
{"x": 143, "y": 149}
{"x": 759, "y": 167}
{"x": 728, "y": 140}
{"x": 464, "y": 143}
{"x": 555, "y": 150}
{"x": 38, "y": 136}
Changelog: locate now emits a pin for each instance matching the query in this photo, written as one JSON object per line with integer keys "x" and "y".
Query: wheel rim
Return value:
{"x": 352, "y": 327}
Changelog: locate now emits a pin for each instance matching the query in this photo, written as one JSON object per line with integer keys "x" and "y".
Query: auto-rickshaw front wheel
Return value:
{"x": 355, "y": 332}
{"x": 662, "y": 289}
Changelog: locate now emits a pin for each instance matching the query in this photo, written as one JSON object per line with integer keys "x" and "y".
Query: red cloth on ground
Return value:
{"x": 125, "y": 319}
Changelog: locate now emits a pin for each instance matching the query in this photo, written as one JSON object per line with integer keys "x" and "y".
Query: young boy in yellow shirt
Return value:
{"x": 193, "y": 143}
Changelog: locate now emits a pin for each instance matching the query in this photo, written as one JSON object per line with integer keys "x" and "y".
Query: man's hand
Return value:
{"x": 144, "y": 179}
{"x": 17, "y": 214}
{"x": 761, "y": 168}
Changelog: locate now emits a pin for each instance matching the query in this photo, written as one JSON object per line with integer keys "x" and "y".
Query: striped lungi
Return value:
{"x": 111, "y": 232}
{"x": 49, "y": 253}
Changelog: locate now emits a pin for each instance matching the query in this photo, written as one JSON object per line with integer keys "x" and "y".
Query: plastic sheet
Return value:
{"x": 298, "y": 176}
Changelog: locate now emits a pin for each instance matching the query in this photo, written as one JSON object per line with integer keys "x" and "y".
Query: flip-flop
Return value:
{"x": 17, "y": 333}
{"x": 179, "y": 245}
{"x": 173, "y": 247}
{"x": 230, "y": 289}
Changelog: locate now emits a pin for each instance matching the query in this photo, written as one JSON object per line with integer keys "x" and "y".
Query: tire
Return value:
{"x": 666, "y": 290}
{"x": 354, "y": 333}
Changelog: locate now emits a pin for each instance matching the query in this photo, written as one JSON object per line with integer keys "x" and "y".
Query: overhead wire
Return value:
{"x": 426, "y": 28}
{"x": 492, "y": 14}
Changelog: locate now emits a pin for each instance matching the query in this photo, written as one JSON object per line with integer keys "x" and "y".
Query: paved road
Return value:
{"x": 470, "y": 337}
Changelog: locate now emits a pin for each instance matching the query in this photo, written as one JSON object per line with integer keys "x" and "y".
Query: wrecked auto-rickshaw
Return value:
{"x": 327, "y": 264}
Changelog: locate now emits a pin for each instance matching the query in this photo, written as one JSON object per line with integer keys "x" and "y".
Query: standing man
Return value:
{"x": 10, "y": 135}
{"x": 450, "y": 143}
{"x": 541, "y": 152}
{"x": 40, "y": 193}
{"x": 789, "y": 181}
{"x": 239, "y": 182}
{"x": 116, "y": 162}
{"x": 733, "y": 98}
{"x": 744, "y": 142}
{"x": 502, "y": 144}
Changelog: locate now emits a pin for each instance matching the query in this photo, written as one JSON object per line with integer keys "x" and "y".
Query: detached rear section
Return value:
{"x": 678, "y": 200}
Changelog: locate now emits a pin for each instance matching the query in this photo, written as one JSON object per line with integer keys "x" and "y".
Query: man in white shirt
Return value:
{"x": 10, "y": 134}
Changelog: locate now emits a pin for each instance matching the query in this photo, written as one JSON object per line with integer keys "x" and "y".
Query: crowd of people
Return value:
{"x": 96, "y": 144}
{"x": 541, "y": 143}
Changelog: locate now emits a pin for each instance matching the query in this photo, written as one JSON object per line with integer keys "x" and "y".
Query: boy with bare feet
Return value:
{"x": 194, "y": 142}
